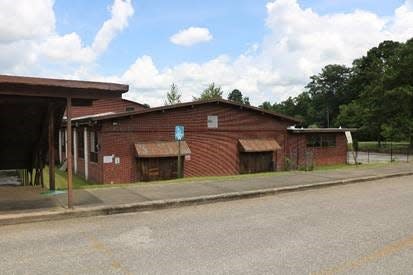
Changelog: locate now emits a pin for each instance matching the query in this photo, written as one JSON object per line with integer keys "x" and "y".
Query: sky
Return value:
{"x": 268, "y": 49}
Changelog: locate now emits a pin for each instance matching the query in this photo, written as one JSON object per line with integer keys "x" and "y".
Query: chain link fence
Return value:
{"x": 373, "y": 152}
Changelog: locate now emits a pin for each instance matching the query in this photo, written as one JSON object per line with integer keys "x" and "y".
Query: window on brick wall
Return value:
{"x": 94, "y": 146}
{"x": 318, "y": 141}
{"x": 130, "y": 109}
{"x": 80, "y": 144}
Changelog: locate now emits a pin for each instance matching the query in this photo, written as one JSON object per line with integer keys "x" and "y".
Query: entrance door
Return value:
{"x": 159, "y": 168}
{"x": 256, "y": 162}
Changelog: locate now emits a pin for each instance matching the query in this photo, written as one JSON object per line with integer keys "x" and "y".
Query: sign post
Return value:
{"x": 179, "y": 136}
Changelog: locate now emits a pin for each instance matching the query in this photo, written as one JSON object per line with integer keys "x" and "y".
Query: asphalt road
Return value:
{"x": 363, "y": 228}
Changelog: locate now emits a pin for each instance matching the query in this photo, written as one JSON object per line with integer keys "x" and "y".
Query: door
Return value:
{"x": 159, "y": 168}
{"x": 256, "y": 162}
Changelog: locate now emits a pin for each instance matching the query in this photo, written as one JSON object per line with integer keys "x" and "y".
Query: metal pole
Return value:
{"x": 52, "y": 186}
{"x": 391, "y": 151}
{"x": 368, "y": 155}
{"x": 179, "y": 160}
{"x": 69, "y": 153}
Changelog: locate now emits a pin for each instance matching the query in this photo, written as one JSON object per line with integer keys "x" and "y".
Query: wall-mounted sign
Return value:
{"x": 107, "y": 159}
{"x": 179, "y": 132}
{"x": 187, "y": 157}
{"x": 117, "y": 160}
{"x": 212, "y": 121}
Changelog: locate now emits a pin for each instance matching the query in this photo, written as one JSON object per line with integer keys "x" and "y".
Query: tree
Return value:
{"x": 374, "y": 95}
{"x": 212, "y": 92}
{"x": 374, "y": 77}
{"x": 328, "y": 91}
{"x": 266, "y": 105}
{"x": 237, "y": 96}
{"x": 173, "y": 96}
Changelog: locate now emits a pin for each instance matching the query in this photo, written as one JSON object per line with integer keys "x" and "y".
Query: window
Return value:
{"x": 328, "y": 141}
{"x": 63, "y": 140}
{"x": 317, "y": 141}
{"x": 80, "y": 144}
{"x": 130, "y": 109}
{"x": 94, "y": 146}
{"x": 212, "y": 121}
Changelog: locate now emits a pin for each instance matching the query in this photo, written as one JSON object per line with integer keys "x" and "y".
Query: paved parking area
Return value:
{"x": 17, "y": 198}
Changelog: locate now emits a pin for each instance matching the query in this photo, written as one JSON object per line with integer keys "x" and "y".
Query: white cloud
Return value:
{"x": 121, "y": 11}
{"x": 20, "y": 20}
{"x": 28, "y": 37}
{"x": 300, "y": 43}
{"x": 191, "y": 36}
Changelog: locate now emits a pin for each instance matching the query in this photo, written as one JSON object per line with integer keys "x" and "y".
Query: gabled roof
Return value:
{"x": 188, "y": 104}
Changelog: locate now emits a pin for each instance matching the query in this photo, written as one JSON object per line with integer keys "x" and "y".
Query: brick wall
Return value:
{"x": 214, "y": 151}
{"x": 297, "y": 151}
{"x": 94, "y": 169}
{"x": 116, "y": 105}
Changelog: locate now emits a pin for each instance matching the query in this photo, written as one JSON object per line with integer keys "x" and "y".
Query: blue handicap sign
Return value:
{"x": 179, "y": 132}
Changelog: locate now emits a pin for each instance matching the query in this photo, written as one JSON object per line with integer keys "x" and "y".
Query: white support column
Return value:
{"x": 86, "y": 152}
{"x": 75, "y": 149}
{"x": 66, "y": 143}
{"x": 60, "y": 146}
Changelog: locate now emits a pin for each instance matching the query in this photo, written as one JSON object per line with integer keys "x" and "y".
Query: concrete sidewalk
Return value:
{"x": 161, "y": 195}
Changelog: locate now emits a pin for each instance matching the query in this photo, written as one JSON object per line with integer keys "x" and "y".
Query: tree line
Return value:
{"x": 375, "y": 94}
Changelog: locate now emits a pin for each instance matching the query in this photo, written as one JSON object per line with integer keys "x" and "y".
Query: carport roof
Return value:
{"x": 28, "y": 104}
{"x": 59, "y": 88}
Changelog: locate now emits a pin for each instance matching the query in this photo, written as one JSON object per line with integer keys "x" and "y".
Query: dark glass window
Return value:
{"x": 94, "y": 146}
{"x": 129, "y": 109}
{"x": 80, "y": 143}
{"x": 321, "y": 140}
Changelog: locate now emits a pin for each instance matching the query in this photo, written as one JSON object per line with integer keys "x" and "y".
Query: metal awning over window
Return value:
{"x": 258, "y": 145}
{"x": 161, "y": 149}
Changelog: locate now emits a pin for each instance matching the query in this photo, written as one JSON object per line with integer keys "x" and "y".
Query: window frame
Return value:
{"x": 80, "y": 144}
{"x": 322, "y": 140}
{"x": 93, "y": 148}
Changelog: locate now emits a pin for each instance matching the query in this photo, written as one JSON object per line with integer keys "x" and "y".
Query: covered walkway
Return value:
{"x": 30, "y": 111}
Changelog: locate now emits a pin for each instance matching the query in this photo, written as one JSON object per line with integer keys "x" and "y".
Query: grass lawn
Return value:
{"x": 80, "y": 183}
{"x": 60, "y": 178}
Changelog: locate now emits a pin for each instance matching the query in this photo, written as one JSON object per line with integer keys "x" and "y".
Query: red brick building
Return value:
{"x": 221, "y": 138}
{"x": 107, "y": 106}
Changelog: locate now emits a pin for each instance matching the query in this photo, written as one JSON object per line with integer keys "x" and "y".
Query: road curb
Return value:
{"x": 9, "y": 219}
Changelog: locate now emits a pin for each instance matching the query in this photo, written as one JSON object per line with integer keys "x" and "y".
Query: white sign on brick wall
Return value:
{"x": 107, "y": 159}
{"x": 212, "y": 121}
